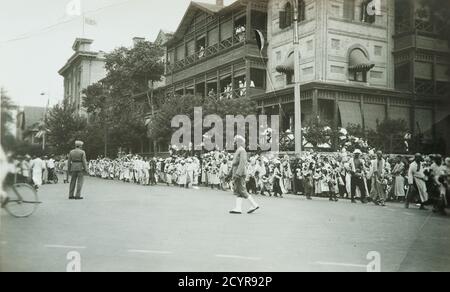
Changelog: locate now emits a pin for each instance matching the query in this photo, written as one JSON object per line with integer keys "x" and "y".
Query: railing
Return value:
{"x": 424, "y": 26}
{"x": 402, "y": 27}
{"x": 235, "y": 40}
{"x": 443, "y": 88}
{"x": 424, "y": 86}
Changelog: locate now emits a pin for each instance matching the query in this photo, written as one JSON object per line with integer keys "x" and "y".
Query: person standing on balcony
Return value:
{"x": 240, "y": 32}
{"x": 242, "y": 89}
{"x": 201, "y": 52}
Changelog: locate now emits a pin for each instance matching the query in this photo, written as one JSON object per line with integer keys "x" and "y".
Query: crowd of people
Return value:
{"x": 369, "y": 177}
{"x": 37, "y": 170}
{"x": 365, "y": 177}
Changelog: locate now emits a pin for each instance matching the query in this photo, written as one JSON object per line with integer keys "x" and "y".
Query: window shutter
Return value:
{"x": 301, "y": 11}
{"x": 289, "y": 17}
{"x": 349, "y": 9}
{"x": 282, "y": 19}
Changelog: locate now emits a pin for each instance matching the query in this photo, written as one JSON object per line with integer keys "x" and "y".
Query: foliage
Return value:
{"x": 160, "y": 125}
{"x": 114, "y": 114}
{"x": 389, "y": 136}
{"x": 317, "y": 132}
{"x": 7, "y": 138}
{"x": 64, "y": 127}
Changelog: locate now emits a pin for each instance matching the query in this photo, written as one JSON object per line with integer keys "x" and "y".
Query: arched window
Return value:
{"x": 286, "y": 16}
{"x": 301, "y": 10}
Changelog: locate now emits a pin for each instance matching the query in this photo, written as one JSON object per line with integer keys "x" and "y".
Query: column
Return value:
{"x": 247, "y": 77}
{"x": 315, "y": 103}
{"x": 248, "y": 25}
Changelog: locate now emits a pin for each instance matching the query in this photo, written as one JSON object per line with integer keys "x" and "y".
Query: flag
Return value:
{"x": 73, "y": 8}
{"x": 260, "y": 39}
{"x": 90, "y": 21}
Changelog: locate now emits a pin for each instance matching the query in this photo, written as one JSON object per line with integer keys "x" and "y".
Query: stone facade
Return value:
{"x": 83, "y": 69}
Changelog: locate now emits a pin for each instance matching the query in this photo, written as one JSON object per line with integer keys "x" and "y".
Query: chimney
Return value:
{"x": 219, "y": 2}
{"x": 137, "y": 40}
{"x": 82, "y": 45}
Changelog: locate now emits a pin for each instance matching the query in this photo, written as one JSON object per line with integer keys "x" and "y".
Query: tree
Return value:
{"x": 160, "y": 125}
{"x": 389, "y": 136}
{"x": 317, "y": 132}
{"x": 110, "y": 103}
{"x": 64, "y": 127}
{"x": 7, "y": 138}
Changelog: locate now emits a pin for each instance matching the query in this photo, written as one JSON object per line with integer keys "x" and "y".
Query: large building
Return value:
{"x": 356, "y": 67}
{"x": 83, "y": 69}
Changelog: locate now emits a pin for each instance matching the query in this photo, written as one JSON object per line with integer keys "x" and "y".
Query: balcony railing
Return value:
{"x": 236, "y": 93}
{"x": 424, "y": 86}
{"x": 424, "y": 26}
{"x": 210, "y": 51}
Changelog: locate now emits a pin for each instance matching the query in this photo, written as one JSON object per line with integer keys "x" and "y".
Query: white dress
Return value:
{"x": 37, "y": 166}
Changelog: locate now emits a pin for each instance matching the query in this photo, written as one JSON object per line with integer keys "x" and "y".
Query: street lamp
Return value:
{"x": 297, "y": 100}
{"x": 44, "y": 130}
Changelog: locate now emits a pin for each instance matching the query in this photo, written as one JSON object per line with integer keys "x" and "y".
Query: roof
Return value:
{"x": 163, "y": 37}
{"x": 95, "y": 55}
{"x": 190, "y": 14}
{"x": 209, "y": 7}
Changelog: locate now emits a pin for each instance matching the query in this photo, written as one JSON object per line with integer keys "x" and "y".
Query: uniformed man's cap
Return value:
{"x": 79, "y": 143}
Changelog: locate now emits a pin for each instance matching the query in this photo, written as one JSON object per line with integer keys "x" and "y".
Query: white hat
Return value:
{"x": 239, "y": 138}
{"x": 79, "y": 143}
{"x": 357, "y": 151}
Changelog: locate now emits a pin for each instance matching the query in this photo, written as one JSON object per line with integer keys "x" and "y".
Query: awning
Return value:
{"x": 359, "y": 62}
{"x": 350, "y": 113}
{"x": 288, "y": 66}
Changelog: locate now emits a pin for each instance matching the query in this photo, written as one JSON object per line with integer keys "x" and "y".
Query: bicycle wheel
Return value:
{"x": 22, "y": 200}
{"x": 55, "y": 179}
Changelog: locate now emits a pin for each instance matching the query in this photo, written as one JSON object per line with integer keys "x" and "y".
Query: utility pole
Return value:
{"x": 298, "y": 104}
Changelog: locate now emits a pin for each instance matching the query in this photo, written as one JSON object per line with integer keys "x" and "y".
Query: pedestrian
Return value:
{"x": 357, "y": 177}
{"x": 239, "y": 175}
{"x": 77, "y": 165}
{"x": 51, "y": 173}
{"x": 417, "y": 182}
{"x": 37, "y": 171}
{"x": 377, "y": 192}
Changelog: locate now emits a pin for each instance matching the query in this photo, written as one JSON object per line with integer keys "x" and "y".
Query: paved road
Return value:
{"x": 124, "y": 227}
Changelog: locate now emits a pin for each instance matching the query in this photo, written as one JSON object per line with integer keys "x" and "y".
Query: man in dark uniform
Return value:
{"x": 77, "y": 165}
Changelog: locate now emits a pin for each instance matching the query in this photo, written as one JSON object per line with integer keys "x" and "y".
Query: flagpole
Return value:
{"x": 84, "y": 22}
{"x": 297, "y": 91}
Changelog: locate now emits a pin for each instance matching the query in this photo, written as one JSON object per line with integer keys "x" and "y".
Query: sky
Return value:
{"x": 36, "y": 38}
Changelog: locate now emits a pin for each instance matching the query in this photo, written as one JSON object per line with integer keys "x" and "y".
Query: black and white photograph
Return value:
{"x": 241, "y": 136}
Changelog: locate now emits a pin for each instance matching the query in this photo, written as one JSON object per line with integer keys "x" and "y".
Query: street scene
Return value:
{"x": 136, "y": 228}
{"x": 225, "y": 136}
